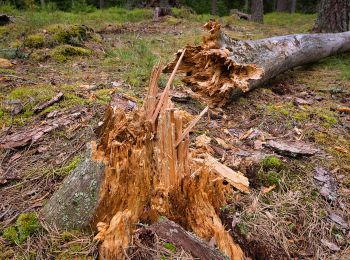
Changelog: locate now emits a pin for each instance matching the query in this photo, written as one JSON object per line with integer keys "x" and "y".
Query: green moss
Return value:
{"x": 301, "y": 116}
{"x": 103, "y": 96}
{"x": 73, "y": 35}
{"x": 10, "y": 235}
{"x": 73, "y": 100}
{"x": 66, "y": 236}
{"x": 243, "y": 228}
{"x": 63, "y": 53}
{"x": 273, "y": 178}
{"x": 30, "y": 97}
{"x": 171, "y": 247}
{"x": 279, "y": 110}
{"x": 7, "y": 71}
{"x": 170, "y": 20}
{"x": 39, "y": 55}
{"x": 35, "y": 41}
{"x": 271, "y": 162}
{"x": 328, "y": 119}
{"x": 64, "y": 171}
{"x": 26, "y": 225}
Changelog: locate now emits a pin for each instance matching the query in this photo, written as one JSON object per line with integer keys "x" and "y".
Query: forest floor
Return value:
{"x": 286, "y": 215}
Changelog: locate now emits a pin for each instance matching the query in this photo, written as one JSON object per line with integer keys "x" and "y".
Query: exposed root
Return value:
{"x": 212, "y": 71}
{"x": 148, "y": 176}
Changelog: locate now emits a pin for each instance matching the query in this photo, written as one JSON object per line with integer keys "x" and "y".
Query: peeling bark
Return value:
{"x": 223, "y": 68}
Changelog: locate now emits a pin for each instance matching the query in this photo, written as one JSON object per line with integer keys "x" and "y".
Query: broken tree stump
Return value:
{"x": 223, "y": 68}
{"x": 148, "y": 171}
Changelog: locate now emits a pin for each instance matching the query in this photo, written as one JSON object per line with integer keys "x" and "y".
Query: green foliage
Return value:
{"x": 171, "y": 247}
{"x": 26, "y": 225}
{"x": 63, "y": 53}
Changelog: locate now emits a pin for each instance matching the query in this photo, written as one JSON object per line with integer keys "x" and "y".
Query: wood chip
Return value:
{"x": 268, "y": 189}
{"x": 345, "y": 110}
{"x": 235, "y": 178}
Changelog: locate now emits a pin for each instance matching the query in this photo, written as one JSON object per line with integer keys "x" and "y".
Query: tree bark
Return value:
{"x": 283, "y": 6}
{"x": 223, "y": 68}
{"x": 173, "y": 233}
{"x": 214, "y": 7}
{"x": 294, "y": 6}
{"x": 102, "y": 4}
{"x": 42, "y": 3}
{"x": 333, "y": 16}
{"x": 257, "y": 11}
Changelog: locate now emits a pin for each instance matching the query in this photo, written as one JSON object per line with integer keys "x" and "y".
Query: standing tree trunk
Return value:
{"x": 294, "y": 6}
{"x": 42, "y": 3}
{"x": 283, "y": 6}
{"x": 102, "y": 4}
{"x": 214, "y": 7}
{"x": 257, "y": 11}
{"x": 333, "y": 16}
{"x": 163, "y": 9}
{"x": 246, "y": 6}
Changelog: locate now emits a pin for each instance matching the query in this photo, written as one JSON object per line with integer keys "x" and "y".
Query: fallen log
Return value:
{"x": 223, "y": 68}
{"x": 171, "y": 232}
{"x": 240, "y": 14}
{"x": 144, "y": 169}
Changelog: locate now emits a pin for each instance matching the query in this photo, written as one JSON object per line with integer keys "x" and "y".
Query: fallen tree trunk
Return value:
{"x": 143, "y": 169}
{"x": 223, "y": 68}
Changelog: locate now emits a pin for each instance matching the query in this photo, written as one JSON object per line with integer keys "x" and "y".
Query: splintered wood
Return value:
{"x": 152, "y": 172}
{"x": 222, "y": 68}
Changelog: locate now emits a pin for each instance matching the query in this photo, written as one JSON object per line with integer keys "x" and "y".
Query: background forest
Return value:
{"x": 219, "y": 7}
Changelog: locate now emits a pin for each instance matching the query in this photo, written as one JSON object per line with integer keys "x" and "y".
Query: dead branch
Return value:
{"x": 52, "y": 101}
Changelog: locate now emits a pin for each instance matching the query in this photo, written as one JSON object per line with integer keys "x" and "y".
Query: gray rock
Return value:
{"x": 74, "y": 204}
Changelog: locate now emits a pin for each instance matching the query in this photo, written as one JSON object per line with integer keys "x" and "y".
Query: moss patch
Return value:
{"x": 63, "y": 53}
{"x": 74, "y": 35}
{"x": 35, "y": 41}
{"x": 271, "y": 162}
{"x": 26, "y": 225}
